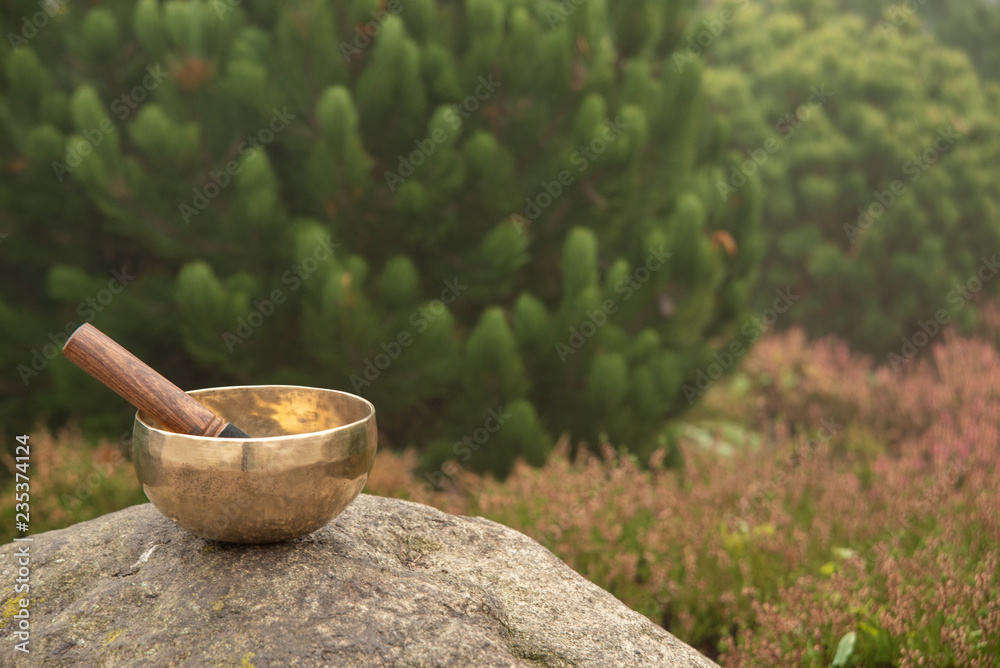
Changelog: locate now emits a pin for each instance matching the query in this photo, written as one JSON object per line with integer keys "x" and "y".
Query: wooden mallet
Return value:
{"x": 99, "y": 355}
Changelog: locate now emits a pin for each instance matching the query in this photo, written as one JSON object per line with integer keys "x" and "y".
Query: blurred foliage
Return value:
{"x": 972, "y": 25}
{"x": 875, "y": 150}
{"x": 448, "y": 208}
{"x": 70, "y": 481}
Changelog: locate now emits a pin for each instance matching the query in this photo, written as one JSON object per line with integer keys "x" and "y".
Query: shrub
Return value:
{"x": 970, "y": 26}
{"x": 450, "y": 209}
{"x": 873, "y": 150}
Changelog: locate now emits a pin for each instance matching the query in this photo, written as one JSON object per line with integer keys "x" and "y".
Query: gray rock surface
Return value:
{"x": 387, "y": 583}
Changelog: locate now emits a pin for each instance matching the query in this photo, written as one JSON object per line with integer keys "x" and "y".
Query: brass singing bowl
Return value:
{"x": 310, "y": 457}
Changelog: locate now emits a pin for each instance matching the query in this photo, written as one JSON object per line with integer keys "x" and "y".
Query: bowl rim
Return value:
{"x": 285, "y": 437}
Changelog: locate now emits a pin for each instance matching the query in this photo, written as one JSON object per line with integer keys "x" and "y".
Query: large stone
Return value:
{"x": 387, "y": 583}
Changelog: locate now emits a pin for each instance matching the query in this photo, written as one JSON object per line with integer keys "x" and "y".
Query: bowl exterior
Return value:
{"x": 313, "y": 459}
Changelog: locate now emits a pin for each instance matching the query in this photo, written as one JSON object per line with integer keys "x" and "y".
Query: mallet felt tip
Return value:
{"x": 101, "y": 357}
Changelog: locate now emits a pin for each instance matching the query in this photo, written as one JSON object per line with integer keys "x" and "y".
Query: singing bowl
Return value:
{"x": 310, "y": 456}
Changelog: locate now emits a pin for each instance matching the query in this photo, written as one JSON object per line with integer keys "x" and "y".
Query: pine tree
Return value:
{"x": 873, "y": 148}
{"x": 423, "y": 203}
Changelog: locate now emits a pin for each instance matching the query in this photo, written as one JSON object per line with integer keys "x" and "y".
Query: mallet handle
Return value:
{"x": 99, "y": 355}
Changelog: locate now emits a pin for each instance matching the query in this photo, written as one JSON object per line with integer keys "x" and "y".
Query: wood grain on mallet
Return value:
{"x": 140, "y": 385}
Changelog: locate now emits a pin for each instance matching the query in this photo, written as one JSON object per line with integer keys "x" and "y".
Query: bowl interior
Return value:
{"x": 266, "y": 411}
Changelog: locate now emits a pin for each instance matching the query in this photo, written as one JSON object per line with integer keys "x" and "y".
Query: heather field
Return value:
{"x": 830, "y": 510}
